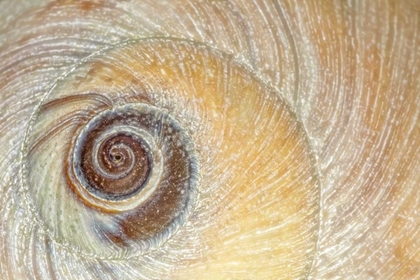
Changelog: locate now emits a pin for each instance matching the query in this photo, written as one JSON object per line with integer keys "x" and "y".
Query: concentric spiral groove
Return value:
{"x": 236, "y": 139}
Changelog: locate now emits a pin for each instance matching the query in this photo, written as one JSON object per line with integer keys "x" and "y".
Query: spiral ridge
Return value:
{"x": 212, "y": 139}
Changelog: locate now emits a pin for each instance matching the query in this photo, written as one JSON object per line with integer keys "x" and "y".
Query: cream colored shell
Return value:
{"x": 304, "y": 117}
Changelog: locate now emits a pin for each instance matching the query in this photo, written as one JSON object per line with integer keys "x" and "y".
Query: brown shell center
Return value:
{"x": 123, "y": 165}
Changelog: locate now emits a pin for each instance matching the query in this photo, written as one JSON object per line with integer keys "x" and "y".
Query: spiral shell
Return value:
{"x": 210, "y": 139}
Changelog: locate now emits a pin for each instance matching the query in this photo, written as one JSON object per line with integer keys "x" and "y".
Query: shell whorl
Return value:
{"x": 242, "y": 139}
{"x": 160, "y": 142}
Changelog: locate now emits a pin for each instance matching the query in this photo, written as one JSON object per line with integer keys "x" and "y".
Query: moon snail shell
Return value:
{"x": 212, "y": 139}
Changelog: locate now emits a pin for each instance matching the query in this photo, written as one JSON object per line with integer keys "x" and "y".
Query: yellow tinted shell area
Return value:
{"x": 257, "y": 210}
{"x": 274, "y": 139}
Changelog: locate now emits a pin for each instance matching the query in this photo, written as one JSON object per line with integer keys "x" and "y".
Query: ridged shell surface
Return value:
{"x": 209, "y": 139}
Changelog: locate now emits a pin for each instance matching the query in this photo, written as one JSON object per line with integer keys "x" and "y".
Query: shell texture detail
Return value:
{"x": 214, "y": 139}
